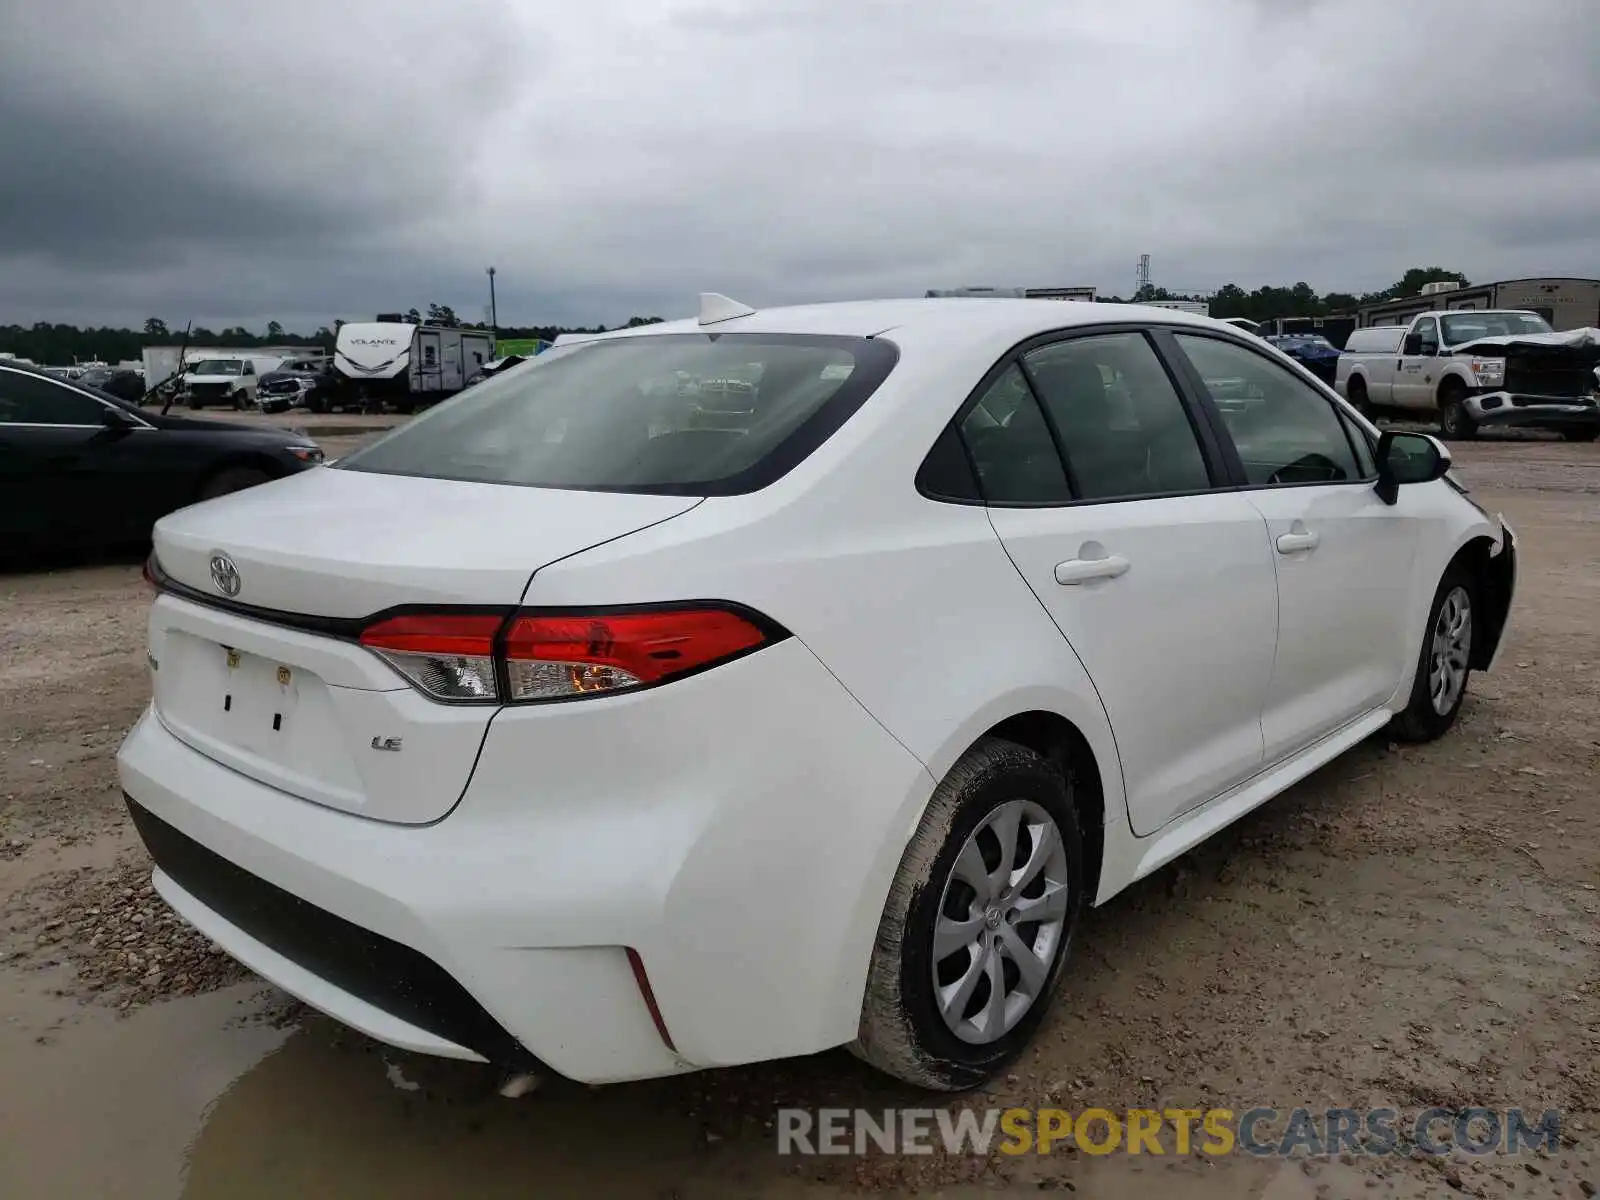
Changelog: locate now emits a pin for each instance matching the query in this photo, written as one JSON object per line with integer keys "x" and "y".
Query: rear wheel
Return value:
{"x": 1445, "y": 663}
{"x": 1359, "y": 400}
{"x": 232, "y": 479}
{"x": 978, "y": 924}
{"x": 1454, "y": 421}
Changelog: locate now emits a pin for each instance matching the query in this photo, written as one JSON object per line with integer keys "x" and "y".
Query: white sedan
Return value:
{"x": 740, "y": 687}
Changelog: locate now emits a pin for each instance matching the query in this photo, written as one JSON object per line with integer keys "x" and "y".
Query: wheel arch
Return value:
{"x": 1453, "y": 378}
{"x": 241, "y": 458}
{"x": 1056, "y": 739}
{"x": 1494, "y": 574}
{"x": 1488, "y": 551}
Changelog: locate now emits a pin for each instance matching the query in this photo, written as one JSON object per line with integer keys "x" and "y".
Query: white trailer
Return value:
{"x": 406, "y": 366}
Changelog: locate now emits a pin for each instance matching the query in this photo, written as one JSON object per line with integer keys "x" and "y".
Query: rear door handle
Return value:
{"x": 1082, "y": 570}
{"x": 1297, "y": 539}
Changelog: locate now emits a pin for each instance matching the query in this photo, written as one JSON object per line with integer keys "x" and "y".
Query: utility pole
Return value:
{"x": 494, "y": 313}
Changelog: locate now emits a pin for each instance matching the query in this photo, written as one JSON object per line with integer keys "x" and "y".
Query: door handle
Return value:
{"x": 1296, "y": 539}
{"x": 1081, "y": 570}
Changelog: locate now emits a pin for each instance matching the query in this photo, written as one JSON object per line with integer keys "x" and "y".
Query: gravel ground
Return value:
{"x": 1412, "y": 925}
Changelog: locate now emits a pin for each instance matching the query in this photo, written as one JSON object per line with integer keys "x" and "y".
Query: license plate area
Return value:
{"x": 270, "y": 719}
{"x": 259, "y": 700}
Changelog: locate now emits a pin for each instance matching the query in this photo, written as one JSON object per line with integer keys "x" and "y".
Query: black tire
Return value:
{"x": 1454, "y": 423}
{"x": 902, "y": 1031}
{"x": 232, "y": 479}
{"x": 1581, "y": 435}
{"x": 240, "y": 401}
{"x": 1359, "y": 400}
{"x": 1421, "y": 720}
{"x": 194, "y": 403}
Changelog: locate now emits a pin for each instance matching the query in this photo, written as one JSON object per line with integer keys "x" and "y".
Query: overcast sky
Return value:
{"x": 304, "y": 160}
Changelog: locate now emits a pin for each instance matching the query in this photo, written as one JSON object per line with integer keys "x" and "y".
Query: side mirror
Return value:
{"x": 1408, "y": 458}
{"x": 1412, "y": 345}
{"x": 114, "y": 418}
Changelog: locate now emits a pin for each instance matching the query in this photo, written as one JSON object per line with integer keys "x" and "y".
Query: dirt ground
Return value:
{"x": 1412, "y": 926}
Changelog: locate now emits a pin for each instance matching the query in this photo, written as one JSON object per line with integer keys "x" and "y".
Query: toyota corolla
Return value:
{"x": 744, "y": 686}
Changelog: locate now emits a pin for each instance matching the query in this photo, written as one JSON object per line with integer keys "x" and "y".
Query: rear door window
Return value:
{"x": 1123, "y": 427}
{"x": 686, "y": 414}
{"x": 1011, "y": 447}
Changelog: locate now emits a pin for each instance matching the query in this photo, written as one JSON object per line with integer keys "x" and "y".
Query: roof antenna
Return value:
{"x": 716, "y": 308}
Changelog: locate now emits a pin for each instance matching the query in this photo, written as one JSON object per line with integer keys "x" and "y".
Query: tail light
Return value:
{"x": 448, "y": 656}
{"x": 531, "y": 656}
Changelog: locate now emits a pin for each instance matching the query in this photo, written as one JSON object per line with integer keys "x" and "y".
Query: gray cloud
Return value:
{"x": 306, "y": 161}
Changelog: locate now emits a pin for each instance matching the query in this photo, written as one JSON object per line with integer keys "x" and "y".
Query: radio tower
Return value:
{"x": 1142, "y": 280}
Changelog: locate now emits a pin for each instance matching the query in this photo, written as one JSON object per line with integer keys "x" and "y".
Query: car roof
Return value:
{"x": 979, "y": 317}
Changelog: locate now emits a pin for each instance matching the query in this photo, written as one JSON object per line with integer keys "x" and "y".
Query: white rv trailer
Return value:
{"x": 406, "y": 366}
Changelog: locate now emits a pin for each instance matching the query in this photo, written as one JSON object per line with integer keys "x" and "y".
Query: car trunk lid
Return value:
{"x": 253, "y": 645}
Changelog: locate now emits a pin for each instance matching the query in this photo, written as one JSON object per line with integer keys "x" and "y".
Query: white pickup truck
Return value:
{"x": 229, "y": 381}
{"x": 1477, "y": 367}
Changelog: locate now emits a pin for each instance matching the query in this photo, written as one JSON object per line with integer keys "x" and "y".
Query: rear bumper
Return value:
{"x": 741, "y": 844}
{"x": 1511, "y": 409}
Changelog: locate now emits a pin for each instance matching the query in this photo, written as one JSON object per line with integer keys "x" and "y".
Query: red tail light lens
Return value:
{"x": 447, "y": 656}
{"x": 554, "y": 656}
{"x": 459, "y": 657}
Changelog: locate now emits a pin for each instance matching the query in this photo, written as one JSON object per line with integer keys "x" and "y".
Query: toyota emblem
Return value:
{"x": 224, "y": 574}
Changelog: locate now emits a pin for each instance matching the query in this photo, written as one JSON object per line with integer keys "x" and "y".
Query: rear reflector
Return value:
{"x": 524, "y": 657}
{"x": 649, "y": 995}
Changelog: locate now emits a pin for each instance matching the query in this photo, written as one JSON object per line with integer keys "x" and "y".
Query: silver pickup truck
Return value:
{"x": 1474, "y": 368}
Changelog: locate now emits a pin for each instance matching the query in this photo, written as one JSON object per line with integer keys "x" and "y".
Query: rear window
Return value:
{"x": 683, "y": 414}
{"x": 1382, "y": 339}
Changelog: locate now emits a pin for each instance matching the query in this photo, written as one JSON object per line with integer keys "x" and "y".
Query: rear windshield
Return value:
{"x": 685, "y": 414}
{"x": 1380, "y": 339}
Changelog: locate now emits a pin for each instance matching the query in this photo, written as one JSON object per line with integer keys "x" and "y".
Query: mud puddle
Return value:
{"x": 239, "y": 1094}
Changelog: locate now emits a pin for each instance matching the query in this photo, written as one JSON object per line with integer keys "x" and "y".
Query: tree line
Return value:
{"x": 62, "y": 345}
{"x": 1300, "y": 299}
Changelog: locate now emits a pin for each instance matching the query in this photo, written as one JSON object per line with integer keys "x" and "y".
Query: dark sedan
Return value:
{"x": 81, "y": 468}
{"x": 121, "y": 383}
{"x": 1312, "y": 351}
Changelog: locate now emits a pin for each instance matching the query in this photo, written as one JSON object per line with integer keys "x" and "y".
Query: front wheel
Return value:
{"x": 978, "y": 924}
{"x": 1581, "y": 435}
{"x": 1455, "y": 422}
{"x": 1445, "y": 663}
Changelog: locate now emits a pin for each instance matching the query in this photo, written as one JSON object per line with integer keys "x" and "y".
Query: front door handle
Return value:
{"x": 1082, "y": 570}
{"x": 1298, "y": 538}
